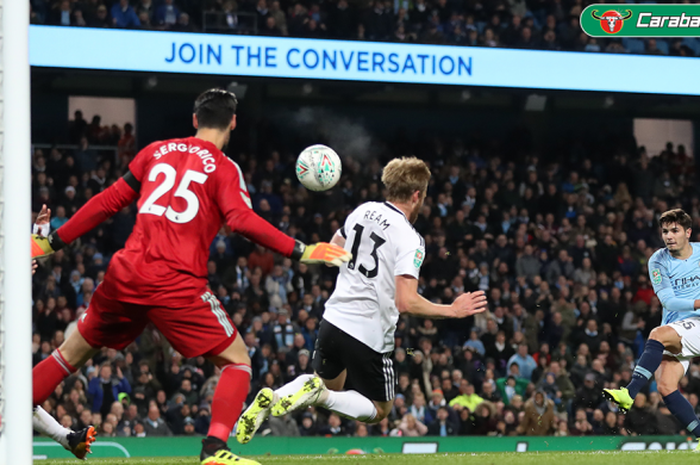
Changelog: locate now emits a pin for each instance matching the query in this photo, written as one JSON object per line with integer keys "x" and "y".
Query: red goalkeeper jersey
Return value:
{"x": 188, "y": 188}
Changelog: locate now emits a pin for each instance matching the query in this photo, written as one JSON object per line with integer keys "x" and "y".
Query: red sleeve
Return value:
{"x": 234, "y": 201}
{"x": 102, "y": 206}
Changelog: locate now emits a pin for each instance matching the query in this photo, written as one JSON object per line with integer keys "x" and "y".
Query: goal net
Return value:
{"x": 15, "y": 219}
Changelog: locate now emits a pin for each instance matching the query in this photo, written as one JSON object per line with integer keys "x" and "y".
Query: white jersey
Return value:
{"x": 384, "y": 245}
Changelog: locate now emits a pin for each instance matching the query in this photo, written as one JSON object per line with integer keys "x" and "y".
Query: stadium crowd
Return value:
{"x": 560, "y": 249}
{"x": 527, "y": 24}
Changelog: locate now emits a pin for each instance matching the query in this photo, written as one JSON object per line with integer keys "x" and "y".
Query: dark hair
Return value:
{"x": 677, "y": 216}
{"x": 215, "y": 108}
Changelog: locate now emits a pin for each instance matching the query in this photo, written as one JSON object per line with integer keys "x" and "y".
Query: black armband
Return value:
{"x": 298, "y": 251}
{"x": 55, "y": 241}
{"x": 131, "y": 180}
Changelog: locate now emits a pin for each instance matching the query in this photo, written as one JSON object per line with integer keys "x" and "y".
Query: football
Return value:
{"x": 318, "y": 168}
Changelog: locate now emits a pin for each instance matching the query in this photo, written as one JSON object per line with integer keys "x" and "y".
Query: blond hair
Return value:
{"x": 404, "y": 176}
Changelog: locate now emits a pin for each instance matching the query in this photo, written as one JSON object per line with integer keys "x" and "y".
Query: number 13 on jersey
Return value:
{"x": 377, "y": 241}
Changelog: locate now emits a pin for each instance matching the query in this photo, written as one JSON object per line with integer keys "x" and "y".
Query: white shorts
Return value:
{"x": 689, "y": 331}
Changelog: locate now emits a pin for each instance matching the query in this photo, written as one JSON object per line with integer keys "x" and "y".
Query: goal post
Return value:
{"x": 15, "y": 223}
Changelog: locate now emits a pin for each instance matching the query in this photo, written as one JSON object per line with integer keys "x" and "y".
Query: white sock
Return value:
{"x": 293, "y": 386}
{"x": 48, "y": 426}
{"x": 350, "y": 404}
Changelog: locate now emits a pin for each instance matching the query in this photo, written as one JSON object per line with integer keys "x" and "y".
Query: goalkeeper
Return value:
{"x": 185, "y": 189}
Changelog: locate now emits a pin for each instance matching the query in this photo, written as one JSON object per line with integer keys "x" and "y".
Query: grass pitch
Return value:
{"x": 510, "y": 458}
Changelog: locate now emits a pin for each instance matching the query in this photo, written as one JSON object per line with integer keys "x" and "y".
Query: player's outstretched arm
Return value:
{"x": 101, "y": 207}
{"x": 248, "y": 223}
{"x": 322, "y": 252}
{"x": 409, "y": 301}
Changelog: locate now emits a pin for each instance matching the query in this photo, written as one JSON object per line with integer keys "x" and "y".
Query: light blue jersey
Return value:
{"x": 676, "y": 283}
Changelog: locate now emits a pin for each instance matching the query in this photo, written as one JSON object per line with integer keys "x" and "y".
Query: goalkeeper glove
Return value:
{"x": 43, "y": 246}
{"x": 323, "y": 252}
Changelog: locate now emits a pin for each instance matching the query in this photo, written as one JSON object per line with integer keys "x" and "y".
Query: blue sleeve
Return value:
{"x": 124, "y": 386}
{"x": 92, "y": 386}
{"x": 660, "y": 280}
{"x": 135, "y": 19}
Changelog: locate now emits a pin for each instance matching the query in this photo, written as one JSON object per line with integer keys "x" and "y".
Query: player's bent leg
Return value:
{"x": 383, "y": 410}
{"x": 227, "y": 404}
{"x": 64, "y": 361}
{"x": 329, "y": 394}
{"x": 668, "y": 336}
{"x": 235, "y": 353}
{"x": 76, "y": 350}
{"x": 668, "y": 376}
{"x": 337, "y": 383}
{"x": 662, "y": 338}
{"x": 352, "y": 404}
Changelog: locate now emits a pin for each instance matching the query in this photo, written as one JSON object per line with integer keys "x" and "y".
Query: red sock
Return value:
{"x": 48, "y": 374}
{"x": 229, "y": 396}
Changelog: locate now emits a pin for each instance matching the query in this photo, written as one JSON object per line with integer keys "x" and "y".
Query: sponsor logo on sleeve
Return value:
{"x": 656, "y": 276}
{"x": 418, "y": 258}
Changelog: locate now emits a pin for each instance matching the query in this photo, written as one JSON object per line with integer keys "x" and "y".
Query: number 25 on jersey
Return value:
{"x": 149, "y": 207}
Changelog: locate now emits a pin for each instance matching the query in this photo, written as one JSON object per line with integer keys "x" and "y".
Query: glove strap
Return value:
{"x": 56, "y": 242}
{"x": 298, "y": 251}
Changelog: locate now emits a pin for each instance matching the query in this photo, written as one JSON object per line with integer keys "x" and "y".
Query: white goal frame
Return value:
{"x": 15, "y": 224}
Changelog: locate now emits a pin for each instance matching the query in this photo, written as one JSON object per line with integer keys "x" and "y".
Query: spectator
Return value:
{"x": 154, "y": 425}
{"x": 540, "y": 417}
{"x": 167, "y": 14}
{"x": 123, "y": 15}
{"x": 641, "y": 419}
{"x": 527, "y": 265}
{"x": 442, "y": 425}
{"x": 105, "y": 388}
{"x": 410, "y": 427}
{"x": 524, "y": 361}
{"x": 59, "y": 218}
{"x": 334, "y": 427}
{"x": 148, "y": 8}
{"x": 581, "y": 426}
{"x": 101, "y": 18}
{"x": 467, "y": 397}
{"x": 283, "y": 426}
{"x": 588, "y": 397}
{"x": 62, "y": 15}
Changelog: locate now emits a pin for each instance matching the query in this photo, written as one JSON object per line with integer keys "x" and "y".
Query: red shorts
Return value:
{"x": 202, "y": 327}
